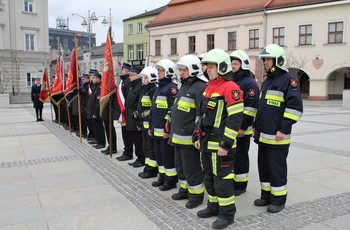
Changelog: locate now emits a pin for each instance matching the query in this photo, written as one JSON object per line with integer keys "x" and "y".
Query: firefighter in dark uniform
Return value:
{"x": 243, "y": 78}
{"x": 215, "y": 136}
{"x": 37, "y": 104}
{"x": 90, "y": 108}
{"x": 280, "y": 106}
{"x": 184, "y": 113}
{"x": 149, "y": 80}
{"x": 97, "y": 120}
{"x": 163, "y": 100}
{"x": 83, "y": 94}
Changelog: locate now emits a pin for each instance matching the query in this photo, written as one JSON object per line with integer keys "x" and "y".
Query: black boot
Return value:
{"x": 273, "y": 208}
{"x": 261, "y": 202}
{"x": 221, "y": 223}
{"x": 207, "y": 212}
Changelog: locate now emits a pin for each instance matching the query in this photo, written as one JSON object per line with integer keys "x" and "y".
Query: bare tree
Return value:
{"x": 295, "y": 63}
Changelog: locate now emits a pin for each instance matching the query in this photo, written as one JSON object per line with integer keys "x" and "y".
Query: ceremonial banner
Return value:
{"x": 57, "y": 88}
{"x": 45, "y": 88}
{"x": 107, "y": 84}
{"x": 72, "y": 81}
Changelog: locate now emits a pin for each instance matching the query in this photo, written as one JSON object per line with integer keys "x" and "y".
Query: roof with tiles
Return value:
{"x": 189, "y": 10}
{"x": 148, "y": 13}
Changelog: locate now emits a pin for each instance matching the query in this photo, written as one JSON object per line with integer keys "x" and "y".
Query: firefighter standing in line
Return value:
{"x": 280, "y": 106}
{"x": 149, "y": 80}
{"x": 243, "y": 78}
{"x": 215, "y": 136}
{"x": 163, "y": 100}
{"x": 184, "y": 113}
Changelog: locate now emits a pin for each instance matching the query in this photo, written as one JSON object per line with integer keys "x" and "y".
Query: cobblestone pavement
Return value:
{"x": 322, "y": 204}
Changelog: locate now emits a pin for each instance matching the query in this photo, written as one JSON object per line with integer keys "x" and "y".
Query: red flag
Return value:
{"x": 45, "y": 88}
{"x": 107, "y": 84}
{"x": 72, "y": 81}
{"x": 57, "y": 88}
{"x": 120, "y": 64}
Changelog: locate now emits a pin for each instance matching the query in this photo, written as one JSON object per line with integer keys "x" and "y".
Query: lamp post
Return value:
{"x": 87, "y": 22}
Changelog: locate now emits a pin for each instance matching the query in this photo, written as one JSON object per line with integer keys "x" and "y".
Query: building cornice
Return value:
{"x": 29, "y": 28}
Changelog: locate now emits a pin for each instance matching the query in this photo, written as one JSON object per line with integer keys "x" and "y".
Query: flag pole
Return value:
{"x": 48, "y": 82}
{"x": 78, "y": 87}
{"x": 59, "y": 114}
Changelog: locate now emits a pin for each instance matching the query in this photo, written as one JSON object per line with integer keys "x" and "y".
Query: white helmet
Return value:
{"x": 151, "y": 73}
{"x": 202, "y": 55}
{"x": 169, "y": 67}
{"x": 241, "y": 56}
{"x": 193, "y": 64}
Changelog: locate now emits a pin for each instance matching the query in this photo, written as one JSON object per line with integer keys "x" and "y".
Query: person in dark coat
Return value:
{"x": 37, "y": 104}
{"x": 131, "y": 104}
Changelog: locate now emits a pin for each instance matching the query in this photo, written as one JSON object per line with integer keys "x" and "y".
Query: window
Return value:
{"x": 28, "y": 5}
{"x": 173, "y": 46}
{"x": 232, "y": 40}
{"x": 210, "y": 42}
{"x": 139, "y": 27}
{"x": 192, "y": 44}
{"x": 131, "y": 29}
{"x": 305, "y": 35}
{"x": 254, "y": 39}
{"x": 29, "y": 40}
{"x": 157, "y": 44}
{"x": 335, "y": 32}
{"x": 347, "y": 80}
{"x": 278, "y": 36}
{"x": 140, "y": 51}
{"x": 30, "y": 79}
{"x": 131, "y": 52}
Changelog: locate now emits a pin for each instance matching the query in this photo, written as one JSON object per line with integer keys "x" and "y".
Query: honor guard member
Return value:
{"x": 37, "y": 104}
{"x": 184, "y": 114}
{"x": 90, "y": 108}
{"x": 131, "y": 104}
{"x": 163, "y": 100}
{"x": 122, "y": 93}
{"x": 216, "y": 134}
{"x": 98, "y": 123}
{"x": 83, "y": 93}
{"x": 280, "y": 106}
{"x": 149, "y": 80}
{"x": 243, "y": 78}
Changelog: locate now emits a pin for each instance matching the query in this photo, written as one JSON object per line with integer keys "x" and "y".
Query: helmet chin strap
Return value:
{"x": 217, "y": 76}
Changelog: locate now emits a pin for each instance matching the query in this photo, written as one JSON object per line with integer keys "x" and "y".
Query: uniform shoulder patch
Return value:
{"x": 235, "y": 94}
{"x": 251, "y": 92}
{"x": 293, "y": 82}
{"x": 174, "y": 90}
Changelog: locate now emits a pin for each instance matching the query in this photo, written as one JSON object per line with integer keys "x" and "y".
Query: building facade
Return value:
{"x": 136, "y": 37}
{"x": 24, "y": 47}
{"x": 322, "y": 66}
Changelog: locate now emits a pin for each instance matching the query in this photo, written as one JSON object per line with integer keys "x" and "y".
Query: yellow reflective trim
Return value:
{"x": 184, "y": 186}
{"x": 291, "y": 116}
{"x": 274, "y": 142}
{"x": 230, "y": 133}
{"x": 275, "y": 95}
{"x": 234, "y": 109}
{"x": 229, "y": 176}
{"x": 215, "y": 95}
{"x": 212, "y": 199}
{"x": 241, "y": 177}
{"x": 161, "y": 169}
{"x": 213, "y": 161}
{"x": 273, "y": 103}
{"x": 226, "y": 201}
{"x": 218, "y": 116}
{"x": 248, "y": 132}
{"x": 146, "y": 124}
{"x": 187, "y": 104}
{"x": 279, "y": 193}
{"x": 182, "y": 141}
{"x": 249, "y": 113}
{"x": 212, "y": 104}
{"x": 158, "y": 132}
{"x": 170, "y": 172}
{"x": 266, "y": 188}
{"x": 197, "y": 189}
{"x": 213, "y": 145}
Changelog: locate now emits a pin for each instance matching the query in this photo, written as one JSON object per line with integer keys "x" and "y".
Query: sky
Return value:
{"x": 121, "y": 9}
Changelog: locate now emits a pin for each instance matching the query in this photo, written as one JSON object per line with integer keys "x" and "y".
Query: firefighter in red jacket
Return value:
{"x": 215, "y": 136}
{"x": 280, "y": 106}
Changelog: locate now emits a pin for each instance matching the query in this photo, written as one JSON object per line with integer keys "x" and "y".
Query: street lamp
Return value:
{"x": 87, "y": 22}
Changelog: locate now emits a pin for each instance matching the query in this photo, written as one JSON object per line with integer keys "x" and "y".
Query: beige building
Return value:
{"x": 23, "y": 44}
{"x": 313, "y": 33}
{"x": 136, "y": 37}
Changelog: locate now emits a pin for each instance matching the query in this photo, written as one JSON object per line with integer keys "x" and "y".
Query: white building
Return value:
{"x": 314, "y": 34}
{"x": 23, "y": 44}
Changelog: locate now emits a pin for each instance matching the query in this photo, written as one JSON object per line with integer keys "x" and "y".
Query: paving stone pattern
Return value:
{"x": 169, "y": 215}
